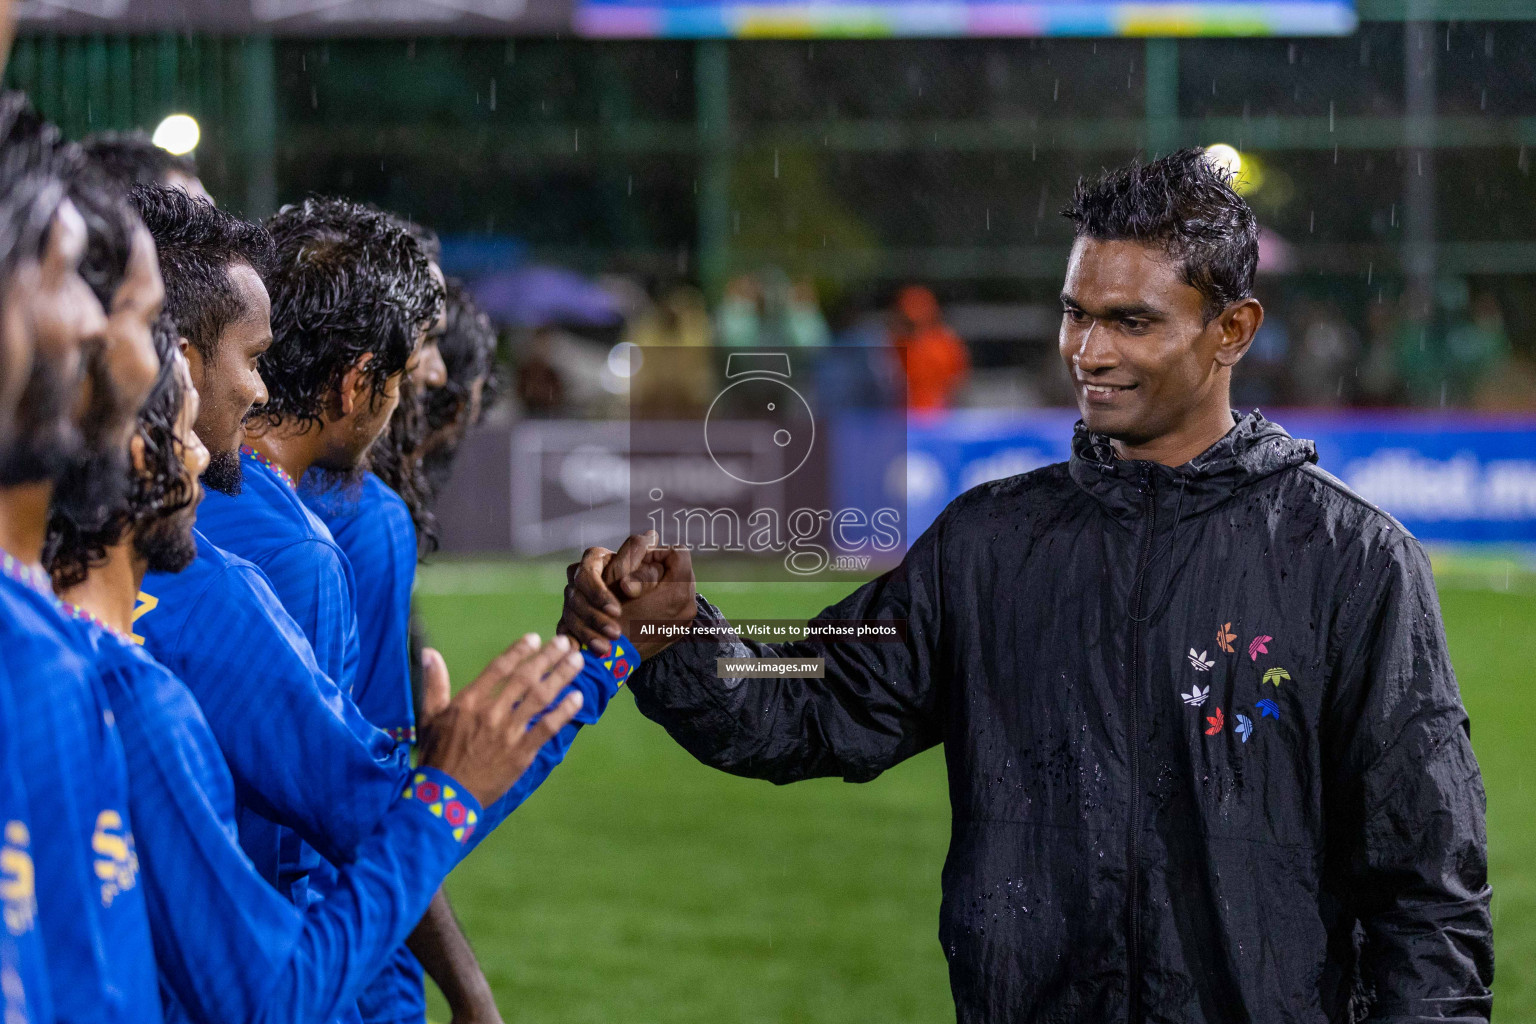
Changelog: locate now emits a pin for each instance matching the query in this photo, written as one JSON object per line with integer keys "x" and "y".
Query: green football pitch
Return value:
{"x": 638, "y": 885}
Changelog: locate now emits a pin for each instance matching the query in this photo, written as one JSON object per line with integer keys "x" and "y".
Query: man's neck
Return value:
{"x": 111, "y": 590}
{"x": 1177, "y": 447}
{"x": 24, "y": 520}
{"x": 292, "y": 449}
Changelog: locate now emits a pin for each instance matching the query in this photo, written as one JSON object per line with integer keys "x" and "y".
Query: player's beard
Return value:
{"x": 223, "y": 473}
{"x": 167, "y": 544}
{"x": 98, "y": 477}
{"x": 47, "y": 439}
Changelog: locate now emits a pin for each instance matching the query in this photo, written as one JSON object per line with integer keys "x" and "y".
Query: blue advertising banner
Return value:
{"x": 1449, "y": 477}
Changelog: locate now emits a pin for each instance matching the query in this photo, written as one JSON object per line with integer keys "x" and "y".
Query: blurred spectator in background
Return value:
{"x": 934, "y": 358}
{"x": 1477, "y": 350}
{"x": 1451, "y": 358}
{"x": 674, "y": 334}
{"x": 1323, "y": 368}
{"x": 767, "y": 309}
{"x": 131, "y": 159}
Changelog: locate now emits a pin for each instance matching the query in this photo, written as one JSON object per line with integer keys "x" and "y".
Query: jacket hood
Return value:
{"x": 1253, "y": 450}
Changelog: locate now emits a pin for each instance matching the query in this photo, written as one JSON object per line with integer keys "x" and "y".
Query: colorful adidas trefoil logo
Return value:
{"x": 1197, "y": 696}
{"x": 1225, "y": 636}
{"x": 1257, "y": 647}
{"x": 1276, "y": 676}
{"x": 1268, "y": 707}
{"x": 1216, "y": 722}
{"x": 1200, "y": 662}
{"x": 1244, "y": 727}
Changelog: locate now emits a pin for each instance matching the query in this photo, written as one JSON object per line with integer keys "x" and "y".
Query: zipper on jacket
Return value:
{"x": 1133, "y": 731}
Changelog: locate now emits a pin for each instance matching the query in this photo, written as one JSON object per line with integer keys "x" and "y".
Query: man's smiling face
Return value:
{"x": 1135, "y": 340}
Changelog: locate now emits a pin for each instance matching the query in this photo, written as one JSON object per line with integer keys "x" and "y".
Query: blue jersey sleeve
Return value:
{"x": 300, "y": 752}
{"x": 228, "y": 946}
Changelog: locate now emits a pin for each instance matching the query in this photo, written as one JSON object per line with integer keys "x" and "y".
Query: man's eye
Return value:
{"x": 1077, "y": 316}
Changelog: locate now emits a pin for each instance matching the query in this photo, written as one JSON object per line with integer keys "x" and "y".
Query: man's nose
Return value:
{"x": 430, "y": 370}
{"x": 1096, "y": 351}
{"x": 259, "y": 395}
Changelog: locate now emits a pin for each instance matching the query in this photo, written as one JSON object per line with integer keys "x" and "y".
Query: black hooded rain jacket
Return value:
{"x": 1207, "y": 757}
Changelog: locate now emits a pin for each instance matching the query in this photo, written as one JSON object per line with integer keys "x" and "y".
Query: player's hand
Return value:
{"x": 592, "y": 612}
{"x": 610, "y": 590}
{"x": 483, "y": 737}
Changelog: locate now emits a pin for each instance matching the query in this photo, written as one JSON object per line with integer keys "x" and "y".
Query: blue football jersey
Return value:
{"x": 24, "y": 992}
{"x": 309, "y": 770}
{"x": 298, "y": 748}
{"x": 90, "y": 906}
{"x": 267, "y": 524}
{"x": 374, "y": 529}
{"x": 229, "y": 947}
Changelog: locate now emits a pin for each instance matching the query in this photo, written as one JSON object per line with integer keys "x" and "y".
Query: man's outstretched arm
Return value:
{"x": 1408, "y": 848}
{"x": 878, "y": 703}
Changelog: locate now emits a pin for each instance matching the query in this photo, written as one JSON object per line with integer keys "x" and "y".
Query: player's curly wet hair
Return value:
{"x": 349, "y": 281}
{"x": 468, "y": 347}
{"x": 197, "y": 244}
{"x": 1184, "y": 204}
{"x": 161, "y": 490}
{"x": 130, "y": 158}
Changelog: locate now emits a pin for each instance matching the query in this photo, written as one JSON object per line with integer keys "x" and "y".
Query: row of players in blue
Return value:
{"x": 200, "y": 822}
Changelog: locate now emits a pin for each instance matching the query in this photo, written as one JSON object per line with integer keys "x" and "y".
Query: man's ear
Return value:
{"x": 195, "y": 365}
{"x": 356, "y": 387}
{"x": 1238, "y": 324}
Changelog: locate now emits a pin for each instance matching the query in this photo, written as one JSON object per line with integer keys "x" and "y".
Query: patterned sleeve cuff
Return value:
{"x": 402, "y": 734}
{"x": 440, "y": 794}
{"x": 621, "y": 661}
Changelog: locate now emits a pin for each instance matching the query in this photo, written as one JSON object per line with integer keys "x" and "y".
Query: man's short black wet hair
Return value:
{"x": 35, "y": 167}
{"x": 198, "y": 243}
{"x": 349, "y": 281}
{"x": 74, "y": 548}
{"x": 130, "y": 158}
{"x": 1184, "y": 204}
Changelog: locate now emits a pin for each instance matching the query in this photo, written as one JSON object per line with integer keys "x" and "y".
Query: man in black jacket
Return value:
{"x": 1208, "y": 761}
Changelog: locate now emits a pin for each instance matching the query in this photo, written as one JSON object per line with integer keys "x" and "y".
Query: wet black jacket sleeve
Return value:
{"x": 1405, "y": 806}
{"x": 878, "y": 704}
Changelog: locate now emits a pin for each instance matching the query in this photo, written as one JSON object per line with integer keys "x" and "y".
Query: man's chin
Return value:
{"x": 168, "y": 545}
{"x": 223, "y": 473}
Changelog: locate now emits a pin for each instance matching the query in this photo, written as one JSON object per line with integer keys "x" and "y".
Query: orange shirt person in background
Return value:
{"x": 933, "y": 357}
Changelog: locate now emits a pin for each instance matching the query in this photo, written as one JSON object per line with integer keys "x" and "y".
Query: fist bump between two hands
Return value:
{"x": 608, "y": 591}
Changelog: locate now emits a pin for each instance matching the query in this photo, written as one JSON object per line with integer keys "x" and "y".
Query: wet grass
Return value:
{"x": 639, "y": 886}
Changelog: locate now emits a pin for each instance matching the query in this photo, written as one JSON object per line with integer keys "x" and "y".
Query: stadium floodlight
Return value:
{"x": 177, "y": 134}
{"x": 1226, "y": 157}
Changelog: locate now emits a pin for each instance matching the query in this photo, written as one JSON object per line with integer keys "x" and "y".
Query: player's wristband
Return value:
{"x": 621, "y": 661}
{"x": 442, "y": 795}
